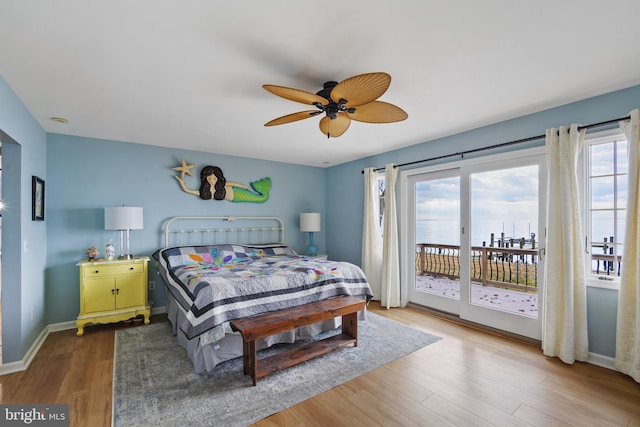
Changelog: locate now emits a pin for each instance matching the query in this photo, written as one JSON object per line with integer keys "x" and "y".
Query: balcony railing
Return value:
{"x": 611, "y": 263}
{"x": 511, "y": 268}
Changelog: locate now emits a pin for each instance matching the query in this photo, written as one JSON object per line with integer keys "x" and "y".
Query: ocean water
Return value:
{"x": 447, "y": 231}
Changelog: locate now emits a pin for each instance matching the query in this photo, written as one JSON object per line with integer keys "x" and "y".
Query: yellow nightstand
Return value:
{"x": 112, "y": 291}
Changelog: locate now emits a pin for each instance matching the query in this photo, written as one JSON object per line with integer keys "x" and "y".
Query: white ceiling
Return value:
{"x": 188, "y": 74}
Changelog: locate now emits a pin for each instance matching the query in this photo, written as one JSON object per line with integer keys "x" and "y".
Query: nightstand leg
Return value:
{"x": 80, "y": 327}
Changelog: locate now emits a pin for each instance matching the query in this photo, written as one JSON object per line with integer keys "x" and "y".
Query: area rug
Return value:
{"x": 154, "y": 383}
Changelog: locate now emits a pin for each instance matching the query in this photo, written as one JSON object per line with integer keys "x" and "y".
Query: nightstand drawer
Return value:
{"x": 112, "y": 270}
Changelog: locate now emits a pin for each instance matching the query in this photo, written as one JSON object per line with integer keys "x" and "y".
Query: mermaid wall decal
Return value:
{"x": 214, "y": 186}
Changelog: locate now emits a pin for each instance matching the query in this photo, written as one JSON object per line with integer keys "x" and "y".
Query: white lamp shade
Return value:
{"x": 310, "y": 222}
{"x": 123, "y": 218}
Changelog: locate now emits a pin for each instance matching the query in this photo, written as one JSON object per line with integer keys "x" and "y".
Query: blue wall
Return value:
{"x": 345, "y": 185}
{"x": 24, "y": 154}
{"x": 85, "y": 175}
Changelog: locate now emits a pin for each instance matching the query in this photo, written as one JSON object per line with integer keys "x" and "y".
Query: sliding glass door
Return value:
{"x": 505, "y": 223}
{"x": 435, "y": 216}
{"x": 475, "y": 232}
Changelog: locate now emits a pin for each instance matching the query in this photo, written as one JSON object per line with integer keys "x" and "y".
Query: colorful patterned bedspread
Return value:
{"x": 216, "y": 284}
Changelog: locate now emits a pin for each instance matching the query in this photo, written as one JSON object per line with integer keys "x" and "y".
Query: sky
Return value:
{"x": 503, "y": 200}
{"x": 507, "y": 200}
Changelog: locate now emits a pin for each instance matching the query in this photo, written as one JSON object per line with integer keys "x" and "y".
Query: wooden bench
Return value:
{"x": 275, "y": 322}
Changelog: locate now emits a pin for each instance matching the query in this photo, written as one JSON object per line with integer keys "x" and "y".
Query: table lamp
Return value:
{"x": 123, "y": 218}
{"x": 310, "y": 222}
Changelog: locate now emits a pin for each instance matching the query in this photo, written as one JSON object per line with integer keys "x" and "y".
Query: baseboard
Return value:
{"x": 12, "y": 368}
{"x": 158, "y": 310}
{"x": 63, "y": 326}
{"x": 22, "y": 365}
{"x": 602, "y": 361}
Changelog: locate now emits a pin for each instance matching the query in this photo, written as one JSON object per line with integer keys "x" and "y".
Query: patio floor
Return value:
{"x": 500, "y": 299}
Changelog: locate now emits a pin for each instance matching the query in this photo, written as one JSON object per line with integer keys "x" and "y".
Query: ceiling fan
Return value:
{"x": 351, "y": 99}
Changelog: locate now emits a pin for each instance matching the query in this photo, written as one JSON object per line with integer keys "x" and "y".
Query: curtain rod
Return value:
{"x": 504, "y": 144}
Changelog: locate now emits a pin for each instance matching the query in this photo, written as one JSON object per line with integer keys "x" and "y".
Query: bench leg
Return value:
{"x": 250, "y": 360}
{"x": 350, "y": 326}
{"x": 245, "y": 357}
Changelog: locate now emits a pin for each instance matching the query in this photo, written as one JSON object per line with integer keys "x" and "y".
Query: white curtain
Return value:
{"x": 371, "y": 237}
{"x": 628, "y": 329}
{"x": 564, "y": 318}
{"x": 390, "y": 249}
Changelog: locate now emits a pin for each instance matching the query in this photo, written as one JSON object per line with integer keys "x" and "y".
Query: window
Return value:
{"x": 605, "y": 198}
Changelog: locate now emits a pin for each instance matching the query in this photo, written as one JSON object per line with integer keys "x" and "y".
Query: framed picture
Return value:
{"x": 37, "y": 199}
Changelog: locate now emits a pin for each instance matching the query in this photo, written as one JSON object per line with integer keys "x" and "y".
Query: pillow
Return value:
{"x": 274, "y": 249}
{"x": 191, "y": 255}
{"x": 219, "y": 254}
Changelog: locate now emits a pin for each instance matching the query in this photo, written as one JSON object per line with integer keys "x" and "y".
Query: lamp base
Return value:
{"x": 124, "y": 245}
{"x": 312, "y": 249}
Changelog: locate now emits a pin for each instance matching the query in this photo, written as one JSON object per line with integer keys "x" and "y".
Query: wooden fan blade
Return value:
{"x": 293, "y": 117}
{"x": 296, "y": 95}
{"x": 378, "y": 112}
{"x": 336, "y": 127}
{"x": 361, "y": 89}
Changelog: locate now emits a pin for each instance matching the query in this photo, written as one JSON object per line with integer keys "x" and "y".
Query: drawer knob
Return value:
{"x": 97, "y": 271}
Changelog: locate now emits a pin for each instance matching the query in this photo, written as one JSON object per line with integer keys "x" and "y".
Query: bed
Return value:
{"x": 217, "y": 269}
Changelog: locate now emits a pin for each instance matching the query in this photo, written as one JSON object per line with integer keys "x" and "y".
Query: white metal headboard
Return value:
{"x": 211, "y": 230}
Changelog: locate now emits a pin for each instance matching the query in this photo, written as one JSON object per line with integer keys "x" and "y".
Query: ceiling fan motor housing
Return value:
{"x": 332, "y": 108}
{"x": 325, "y": 92}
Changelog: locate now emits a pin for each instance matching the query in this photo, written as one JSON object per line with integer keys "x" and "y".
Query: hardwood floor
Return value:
{"x": 470, "y": 377}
